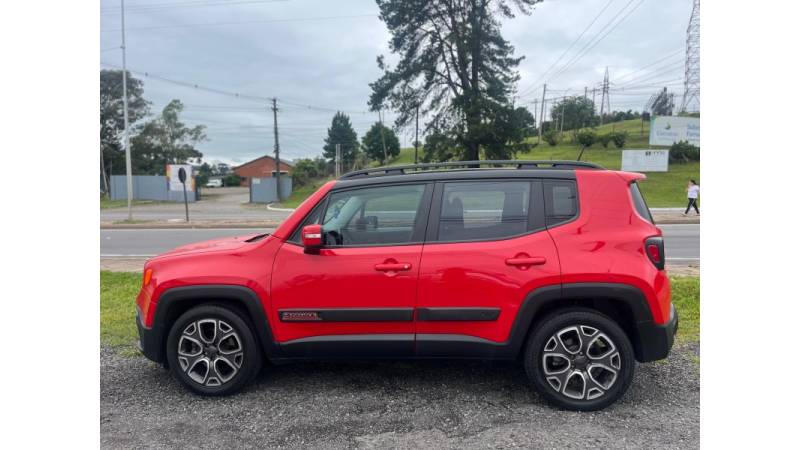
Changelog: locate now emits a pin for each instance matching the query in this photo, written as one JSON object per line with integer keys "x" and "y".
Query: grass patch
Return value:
{"x": 106, "y": 203}
{"x": 300, "y": 194}
{"x": 686, "y": 298}
{"x": 118, "y": 292}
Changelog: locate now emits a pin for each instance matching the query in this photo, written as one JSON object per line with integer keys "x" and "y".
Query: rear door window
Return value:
{"x": 483, "y": 210}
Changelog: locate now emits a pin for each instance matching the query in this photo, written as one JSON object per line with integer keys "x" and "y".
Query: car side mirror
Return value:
{"x": 312, "y": 238}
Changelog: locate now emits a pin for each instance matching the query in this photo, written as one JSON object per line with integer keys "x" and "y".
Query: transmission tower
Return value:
{"x": 605, "y": 100}
{"x": 691, "y": 81}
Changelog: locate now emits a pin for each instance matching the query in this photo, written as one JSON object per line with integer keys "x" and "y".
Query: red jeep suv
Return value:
{"x": 554, "y": 263}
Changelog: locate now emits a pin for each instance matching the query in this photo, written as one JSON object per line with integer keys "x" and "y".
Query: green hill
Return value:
{"x": 661, "y": 189}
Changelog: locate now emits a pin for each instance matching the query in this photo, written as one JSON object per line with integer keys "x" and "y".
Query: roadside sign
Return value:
{"x": 173, "y": 177}
{"x": 645, "y": 160}
{"x": 667, "y": 130}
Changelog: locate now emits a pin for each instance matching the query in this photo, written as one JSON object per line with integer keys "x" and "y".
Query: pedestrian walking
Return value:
{"x": 693, "y": 192}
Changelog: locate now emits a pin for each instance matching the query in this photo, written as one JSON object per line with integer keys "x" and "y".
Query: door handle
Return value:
{"x": 526, "y": 261}
{"x": 392, "y": 267}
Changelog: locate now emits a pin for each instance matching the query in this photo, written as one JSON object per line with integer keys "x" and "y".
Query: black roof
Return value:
{"x": 464, "y": 170}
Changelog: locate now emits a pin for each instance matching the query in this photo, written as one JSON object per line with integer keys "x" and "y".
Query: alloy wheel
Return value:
{"x": 581, "y": 362}
{"x": 210, "y": 352}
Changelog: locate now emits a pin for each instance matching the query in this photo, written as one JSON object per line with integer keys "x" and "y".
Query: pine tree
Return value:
{"x": 372, "y": 143}
{"x": 454, "y": 65}
{"x": 341, "y": 132}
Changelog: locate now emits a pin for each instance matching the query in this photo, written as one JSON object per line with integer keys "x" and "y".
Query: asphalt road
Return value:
{"x": 682, "y": 241}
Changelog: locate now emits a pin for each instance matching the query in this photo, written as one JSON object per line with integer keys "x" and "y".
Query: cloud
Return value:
{"x": 312, "y": 59}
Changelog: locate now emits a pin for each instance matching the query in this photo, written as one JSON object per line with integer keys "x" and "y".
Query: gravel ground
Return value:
{"x": 404, "y": 405}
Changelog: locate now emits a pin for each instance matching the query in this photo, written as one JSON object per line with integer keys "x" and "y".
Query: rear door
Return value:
{"x": 355, "y": 297}
{"x": 486, "y": 248}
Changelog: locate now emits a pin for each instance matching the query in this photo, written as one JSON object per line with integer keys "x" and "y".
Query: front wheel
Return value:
{"x": 212, "y": 351}
{"x": 579, "y": 360}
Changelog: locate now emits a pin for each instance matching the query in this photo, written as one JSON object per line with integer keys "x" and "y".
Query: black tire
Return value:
{"x": 579, "y": 365}
{"x": 239, "y": 364}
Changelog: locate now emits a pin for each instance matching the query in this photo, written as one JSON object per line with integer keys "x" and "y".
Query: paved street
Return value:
{"x": 682, "y": 241}
{"x": 216, "y": 204}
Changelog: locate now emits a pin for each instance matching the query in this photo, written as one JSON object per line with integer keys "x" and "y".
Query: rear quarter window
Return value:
{"x": 561, "y": 201}
{"x": 639, "y": 204}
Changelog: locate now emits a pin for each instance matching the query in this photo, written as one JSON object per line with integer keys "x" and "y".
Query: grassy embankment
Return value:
{"x": 661, "y": 189}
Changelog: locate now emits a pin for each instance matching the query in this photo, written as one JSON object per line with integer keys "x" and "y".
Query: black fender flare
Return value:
{"x": 646, "y": 337}
{"x": 175, "y": 301}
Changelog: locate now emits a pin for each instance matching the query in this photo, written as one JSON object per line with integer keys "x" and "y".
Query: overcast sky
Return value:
{"x": 321, "y": 54}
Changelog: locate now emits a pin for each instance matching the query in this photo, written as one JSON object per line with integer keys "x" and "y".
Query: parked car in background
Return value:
{"x": 555, "y": 264}
{"x": 214, "y": 182}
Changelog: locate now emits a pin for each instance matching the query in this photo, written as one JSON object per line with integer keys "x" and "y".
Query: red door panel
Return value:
{"x": 484, "y": 275}
{"x": 375, "y": 287}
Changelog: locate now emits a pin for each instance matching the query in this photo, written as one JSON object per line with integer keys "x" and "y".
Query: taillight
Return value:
{"x": 654, "y": 247}
{"x": 148, "y": 274}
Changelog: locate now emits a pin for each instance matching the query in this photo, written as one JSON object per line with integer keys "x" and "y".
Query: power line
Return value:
{"x": 147, "y": 7}
{"x": 591, "y": 44}
{"x": 192, "y": 85}
{"x": 321, "y": 108}
{"x": 246, "y": 22}
{"x": 650, "y": 76}
{"x": 669, "y": 55}
{"x": 534, "y": 85}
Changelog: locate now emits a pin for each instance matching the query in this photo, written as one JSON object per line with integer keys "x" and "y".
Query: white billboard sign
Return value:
{"x": 667, "y": 130}
{"x": 645, "y": 160}
{"x": 175, "y": 182}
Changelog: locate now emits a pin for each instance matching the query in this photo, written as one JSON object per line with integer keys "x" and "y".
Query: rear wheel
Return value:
{"x": 212, "y": 351}
{"x": 580, "y": 360}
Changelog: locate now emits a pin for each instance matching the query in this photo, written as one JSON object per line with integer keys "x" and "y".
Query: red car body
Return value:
{"x": 488, "y": 294}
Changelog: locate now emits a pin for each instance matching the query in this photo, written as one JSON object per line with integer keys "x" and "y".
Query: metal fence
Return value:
{"x": 147, "y": 187}
{"x": 264, "y": 190}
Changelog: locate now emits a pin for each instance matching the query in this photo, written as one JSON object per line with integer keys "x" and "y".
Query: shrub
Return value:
{"x": 232, "y": 179}
{"x": 604, "y": 139}
{"x": 551, "y": 137}
{"x": 586, "y": 139}
{"x": 619, "y": 138}
{"x": 682, "y": 152}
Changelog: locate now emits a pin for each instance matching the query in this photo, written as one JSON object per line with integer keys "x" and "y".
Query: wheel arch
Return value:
{"x": 623, "y": 303}
{"x": 176, "y": 301}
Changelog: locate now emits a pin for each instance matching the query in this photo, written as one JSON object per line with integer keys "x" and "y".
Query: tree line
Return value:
{"x": 155, "y": 141}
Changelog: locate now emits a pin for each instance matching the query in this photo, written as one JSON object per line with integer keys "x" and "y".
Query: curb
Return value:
{"x": 677, "y": 221}
{"x": 183, "y": 225}
{"x": 272, "y": 208}
{"x": 275, "y": 224}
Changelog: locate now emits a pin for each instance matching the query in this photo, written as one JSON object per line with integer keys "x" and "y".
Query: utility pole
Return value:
{"x": 535, "y": 107}
{"x": 563, "y": 101}
{"x": 585, "y": 91}
{"x": 594, "y": 108}
{"x": 338, "y": 163}
{"x": 383, "y": 139}
{"x": 126, "y": 139}
{"x": 416, "y": 137}
{"x": 277, "y": 149}
{"x": 541, "y": 115}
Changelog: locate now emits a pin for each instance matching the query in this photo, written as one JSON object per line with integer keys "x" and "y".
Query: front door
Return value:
{"x": 487, "y": 249}
{"x": 356, "y": 296}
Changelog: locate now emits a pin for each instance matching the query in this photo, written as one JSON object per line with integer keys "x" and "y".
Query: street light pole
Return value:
{"x": 128, "y": 170}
